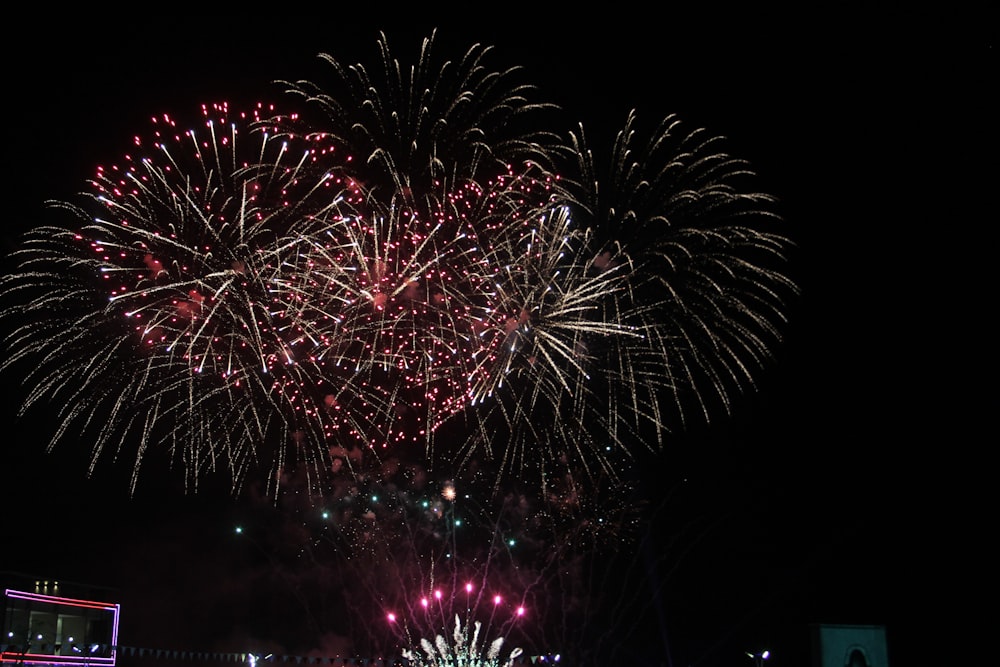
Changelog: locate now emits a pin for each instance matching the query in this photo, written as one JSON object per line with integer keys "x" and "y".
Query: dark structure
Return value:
{"x": 849, "y": 646}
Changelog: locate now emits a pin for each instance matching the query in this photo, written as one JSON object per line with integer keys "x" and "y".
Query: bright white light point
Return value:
{"x": 496, "y": 599}
{"x": 391, "y": 617}
{"x": 520, "y": 611}
{"x": 239, "y": 529}
{"x": 468, "y": 588}
{"x": 423, "y": 601}
{"x": 437, "y": 594}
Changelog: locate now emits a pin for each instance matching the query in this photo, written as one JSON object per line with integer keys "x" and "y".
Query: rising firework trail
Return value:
{"x": 386, "y": 567}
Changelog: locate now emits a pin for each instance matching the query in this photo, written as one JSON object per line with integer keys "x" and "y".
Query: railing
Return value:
{"x": 40, "y": 656}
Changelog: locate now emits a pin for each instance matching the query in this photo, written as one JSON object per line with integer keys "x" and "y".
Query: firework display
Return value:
{"x": 417, "y": 252}
{"x": 390, "y": 288}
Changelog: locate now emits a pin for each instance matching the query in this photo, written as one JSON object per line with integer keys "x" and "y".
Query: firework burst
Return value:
{"x": 155, "y": 318}
{"x": 709, "y": 256}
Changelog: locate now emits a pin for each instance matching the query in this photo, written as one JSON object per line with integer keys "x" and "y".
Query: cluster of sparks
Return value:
{"x": 463, "y": 650}
{"x": 406, "y": 283}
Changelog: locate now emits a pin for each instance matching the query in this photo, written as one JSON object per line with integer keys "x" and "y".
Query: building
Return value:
{"x": 51, "y": 623}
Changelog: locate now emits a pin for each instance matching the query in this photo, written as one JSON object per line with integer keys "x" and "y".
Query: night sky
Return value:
{"x": 846, "y": 490}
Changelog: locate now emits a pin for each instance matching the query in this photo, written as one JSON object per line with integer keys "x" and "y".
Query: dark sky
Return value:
{"x": 848, "y": 490}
